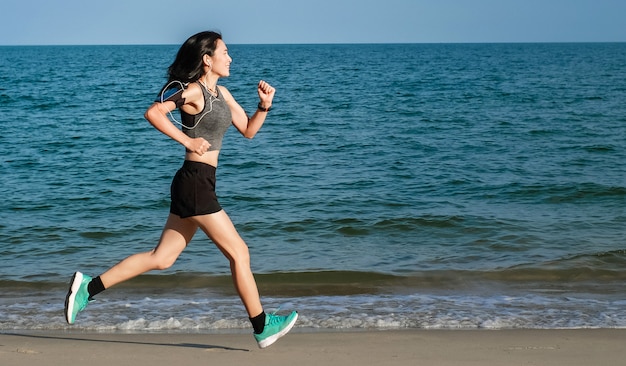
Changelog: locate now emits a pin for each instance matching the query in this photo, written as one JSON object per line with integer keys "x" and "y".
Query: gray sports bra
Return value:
{"x": 211, "y": 123}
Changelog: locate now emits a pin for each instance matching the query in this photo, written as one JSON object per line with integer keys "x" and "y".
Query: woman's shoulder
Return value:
{"x": 193, "y": 92}
{"x": 194, "y": 87}
{"x": 225, "y": 93}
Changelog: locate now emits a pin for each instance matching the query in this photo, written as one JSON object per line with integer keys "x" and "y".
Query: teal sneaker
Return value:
{"x": 77, "y": 296}
{"x": 276, "y": 326}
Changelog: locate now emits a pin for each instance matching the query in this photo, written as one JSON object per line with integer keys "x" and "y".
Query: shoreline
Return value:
{"x": 380, "y": 347}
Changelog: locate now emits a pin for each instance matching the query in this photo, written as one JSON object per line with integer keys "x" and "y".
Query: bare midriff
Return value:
{"x": 209, "y": 157}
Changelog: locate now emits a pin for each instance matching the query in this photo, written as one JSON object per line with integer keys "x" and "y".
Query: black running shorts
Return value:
{"x": 193, "y": 190}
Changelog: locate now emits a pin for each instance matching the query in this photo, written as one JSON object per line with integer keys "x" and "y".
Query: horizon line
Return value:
{"x": 307, "y": 43}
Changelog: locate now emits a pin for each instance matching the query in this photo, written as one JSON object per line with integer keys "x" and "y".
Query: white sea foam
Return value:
{"x": 328, "y": 312}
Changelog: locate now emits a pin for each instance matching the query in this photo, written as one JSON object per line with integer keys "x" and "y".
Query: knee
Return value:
{"x": 162, "y": 263}
{"x": 241, "y": 256}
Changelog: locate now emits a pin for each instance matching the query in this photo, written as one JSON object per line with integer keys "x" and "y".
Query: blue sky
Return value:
{"x": 35, "y": 22}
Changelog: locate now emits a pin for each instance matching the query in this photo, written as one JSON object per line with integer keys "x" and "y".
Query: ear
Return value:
{"x": 207, "y": 60}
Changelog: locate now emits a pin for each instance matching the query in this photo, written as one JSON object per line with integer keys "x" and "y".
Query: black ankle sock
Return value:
{"x": 95, "y": 287}
{"x": 258, "y": 323}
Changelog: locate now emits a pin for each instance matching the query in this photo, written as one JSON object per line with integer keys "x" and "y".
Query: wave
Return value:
{"x": 330, "y": 300}
{"x": 580, "y": 274}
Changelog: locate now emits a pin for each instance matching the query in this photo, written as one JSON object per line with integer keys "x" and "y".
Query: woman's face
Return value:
{"x": 220, "y": 61}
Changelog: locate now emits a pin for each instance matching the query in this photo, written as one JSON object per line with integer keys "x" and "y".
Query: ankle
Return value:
{"x": 258, "y": 323}
{"x": 95, "y": 287}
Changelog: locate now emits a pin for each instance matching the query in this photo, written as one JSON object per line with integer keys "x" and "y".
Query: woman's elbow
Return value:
{"x": 246, "y": 131}
{"x": 149, "y": 114}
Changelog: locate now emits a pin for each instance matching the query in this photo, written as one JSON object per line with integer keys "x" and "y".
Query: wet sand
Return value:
{"x": 406, "y": 347}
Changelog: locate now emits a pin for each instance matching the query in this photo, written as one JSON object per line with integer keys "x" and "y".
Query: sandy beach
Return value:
{"x": 407, "y": 347}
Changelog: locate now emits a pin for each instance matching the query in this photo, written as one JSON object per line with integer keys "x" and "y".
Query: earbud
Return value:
{"x": 208, "y": 61}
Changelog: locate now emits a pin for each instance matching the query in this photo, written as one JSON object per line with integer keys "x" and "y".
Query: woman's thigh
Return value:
{"x": 176, "y": 234}
{"x": 220, "y": 229}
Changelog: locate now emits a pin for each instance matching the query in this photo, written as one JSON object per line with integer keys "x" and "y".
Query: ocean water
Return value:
{"x": 392, "y": 186}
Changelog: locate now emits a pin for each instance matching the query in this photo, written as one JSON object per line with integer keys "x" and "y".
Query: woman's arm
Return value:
{"x": 157, "y": 116}
{"x": 248, "y": 127}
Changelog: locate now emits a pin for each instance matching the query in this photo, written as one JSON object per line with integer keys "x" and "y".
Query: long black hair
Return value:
{"x": 188, "y": 65}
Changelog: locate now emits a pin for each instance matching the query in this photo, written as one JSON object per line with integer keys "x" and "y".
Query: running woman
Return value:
{"x": 207, "y": 110}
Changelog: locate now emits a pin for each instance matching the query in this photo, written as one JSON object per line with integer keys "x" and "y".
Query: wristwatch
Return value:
{"x": 260, "y": 108}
